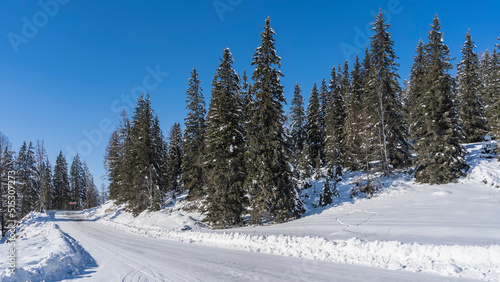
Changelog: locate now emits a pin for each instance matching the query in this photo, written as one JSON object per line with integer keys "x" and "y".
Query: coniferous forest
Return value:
{"x": 40, "y": 186}
{"x": 244, "y": 160}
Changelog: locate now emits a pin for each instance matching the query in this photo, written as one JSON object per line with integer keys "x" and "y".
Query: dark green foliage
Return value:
{"x": 26, "y": 178}
{"x": 61, "y": 196}
{"x": 273, "y": 194}
{"x": 224, "y": 159}
{"x": 313, "y": 128}
{"x": 471, "y": 107}
{"x": 193, "y": 143}
{"x": 298, "y": 134}
{"x": 383, "y": 100}
{"x": 174, "y": 159}
{"x": 77, "y": 183}
{"x": 441, "y": 158}
{"x": 335, "y": 118}
{"x": 143, "y": 167}
{"x": 116, "y": 163}
{"x": 416, "y": 90}
{"x": 352, "y": 124}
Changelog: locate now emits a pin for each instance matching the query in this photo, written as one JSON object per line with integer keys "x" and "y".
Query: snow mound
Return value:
{"x": 478, "y": 262}
{"x": 44, "y": 252}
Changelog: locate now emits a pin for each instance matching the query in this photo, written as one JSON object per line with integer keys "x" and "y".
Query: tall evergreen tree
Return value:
{"x": 193, "y": 143}
{"x": 26, "y": 178}
{"x": 48, "y": 186}
{"x": 7, "y": 163}
{"x": 77, "y": 183}
{"x": 335, "y": 118}
{"x": 174, "y": 161}
{"x": 143, "y": 161}
{"x": 471, "y": 106}
{"x": 313, "y": 128}
{"x": 416, "y": 90}
{"x": 441, "y": 158}
{"x": 273, "y": 193}
{"x": 297, "y": 128}
{"x": 115, "y": 162}
{"x": 61, "y": 195}
{"x": 352, "y": 124}
{"x": 225, "y": 163}
{"x": 91, "y": 194}
{"x": 384, "y": 100}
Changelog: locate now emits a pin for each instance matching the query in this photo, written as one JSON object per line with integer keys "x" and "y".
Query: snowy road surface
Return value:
{"x": 122, "y": 256}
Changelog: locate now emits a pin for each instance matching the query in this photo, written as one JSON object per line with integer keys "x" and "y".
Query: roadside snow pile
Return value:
{"x": 44, "y": 252}
{"x": 478, "y": 262}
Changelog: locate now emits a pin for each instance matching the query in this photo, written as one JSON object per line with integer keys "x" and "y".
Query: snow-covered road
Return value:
{"x": 122, "y": 256}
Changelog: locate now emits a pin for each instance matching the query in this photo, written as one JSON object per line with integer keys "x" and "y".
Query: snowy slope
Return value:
{"x": 451, "y": 230}
{"x": 44, "y": 252}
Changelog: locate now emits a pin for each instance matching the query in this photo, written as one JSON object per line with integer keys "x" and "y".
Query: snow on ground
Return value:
{"x": 448, "y": 229}
{"x": 44, "y": 252}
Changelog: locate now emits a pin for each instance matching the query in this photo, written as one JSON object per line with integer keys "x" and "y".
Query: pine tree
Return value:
{"x": 91, "y": 194}
{"x": 225, "y": 163}
{"x": 416, "y": 90}
{"x": 383, "y": 100}
{"x": 48, "y": 186}
{"x": 117, "y": 164}
{"x": 27, "y": 179}
{"x": 441, "y": 158}
{"x": 193, "y": 143}
{"x": 174, "y": 161}
{"x": 313, "y": 128}
{"x": 143, "y": 160}
{"x": 41, "y": 161}
{"x": 352, "y": 124}
{"x": 335, "y": 118}
{"x": 273, "y": 195}
{"x": 471, "y": 106}
{"x": 7, "y": 163}
{"x": 297, "y": 129}
{"x": 77, "y": 183}
{"x": 61, "y": 196}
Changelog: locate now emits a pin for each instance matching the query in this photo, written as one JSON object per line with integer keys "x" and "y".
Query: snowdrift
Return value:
{"x": 44, "y": 252}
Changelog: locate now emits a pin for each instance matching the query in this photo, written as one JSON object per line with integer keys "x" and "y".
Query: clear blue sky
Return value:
{"x": 64, "y": 68}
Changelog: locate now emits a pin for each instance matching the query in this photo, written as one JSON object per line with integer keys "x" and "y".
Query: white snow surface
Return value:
{"x": 451, "y": 230}
{"x": 44, "y": 252}
{"x": 407, "y": 231}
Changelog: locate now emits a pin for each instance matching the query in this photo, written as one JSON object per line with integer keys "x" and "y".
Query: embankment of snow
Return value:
{"x": 478, "y": 262}
{"x": 44, "y": 252}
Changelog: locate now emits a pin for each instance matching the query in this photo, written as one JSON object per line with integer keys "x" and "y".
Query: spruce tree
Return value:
{"x": 352, "y": 124}
{"x": 91, "y": 198}
{"x": 441, "y": 158}
{"x": 224, "y": 161}
{"x": 193, "y": 143}
{"x": 273, "y": 194}
{"x": 335, "y": 118}
{"x": 77, "y": 183}
{"x": 143, "y": 160}
{"x": 383, "y": 99}
{"x": 416, "y": 90}
{"x": 26, "y": 178}
{"x": 7, "y": 163}
{"x": 297, "y": 128}
{"x": 116, "y": 163}
{"x": 471, "y": 107}
{"x": 61, "y": 195}
{"x": 313, "y": 128}
{"x": 48, "y": 186}
{"x": 174, "y": 160}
